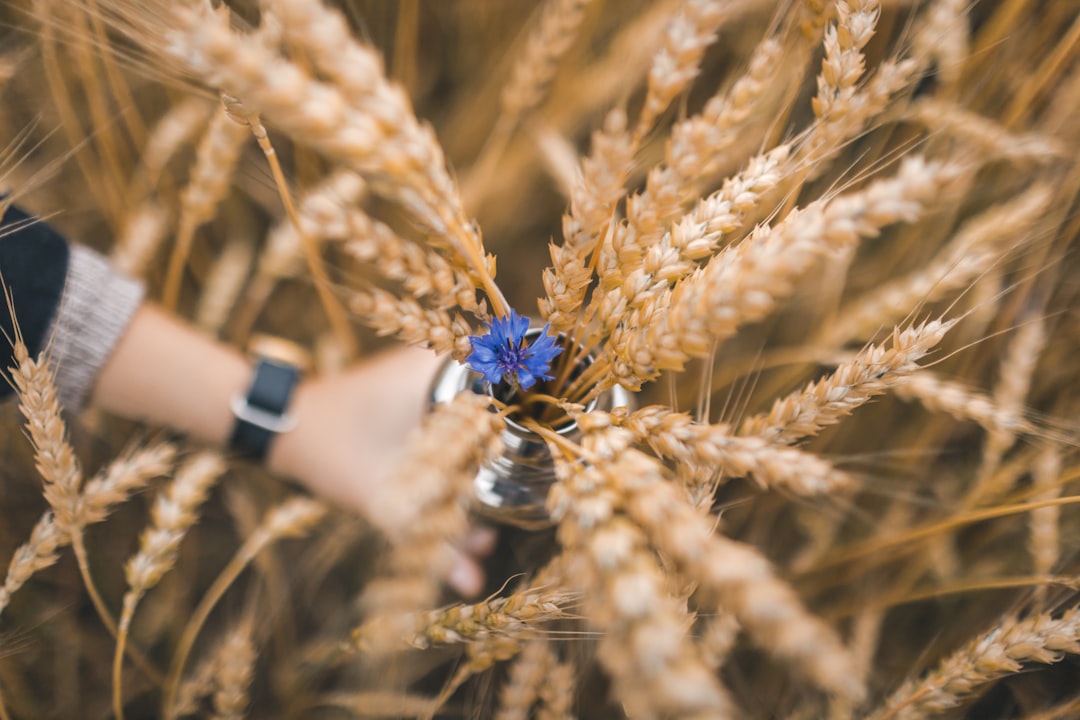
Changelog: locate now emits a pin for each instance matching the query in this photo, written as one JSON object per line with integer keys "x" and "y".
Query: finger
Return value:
{"x": 466, "y": 578}
{"x": 480, "y": 540}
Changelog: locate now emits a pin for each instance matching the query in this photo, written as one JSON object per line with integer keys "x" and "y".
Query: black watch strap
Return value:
{"x": 261, "y": 415}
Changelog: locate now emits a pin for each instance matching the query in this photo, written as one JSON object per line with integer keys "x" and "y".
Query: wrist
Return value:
{"x": 263, "y": 412}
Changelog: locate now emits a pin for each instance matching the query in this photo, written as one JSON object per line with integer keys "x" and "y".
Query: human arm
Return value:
{"x": 137, "y": 361}
{"x": 350, "y": 427}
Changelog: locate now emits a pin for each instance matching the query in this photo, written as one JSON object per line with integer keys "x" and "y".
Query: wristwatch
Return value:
{"x": 263, "y": 412}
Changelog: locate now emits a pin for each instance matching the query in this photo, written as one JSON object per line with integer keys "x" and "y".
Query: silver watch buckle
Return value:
{"x": 264, "y": 419}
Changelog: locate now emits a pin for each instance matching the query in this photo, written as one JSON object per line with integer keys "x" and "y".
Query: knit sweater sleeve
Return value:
{"x": 67, "y": 299}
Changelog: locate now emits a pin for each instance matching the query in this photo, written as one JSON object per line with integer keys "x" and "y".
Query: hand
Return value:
{"x": 350, "y": 435}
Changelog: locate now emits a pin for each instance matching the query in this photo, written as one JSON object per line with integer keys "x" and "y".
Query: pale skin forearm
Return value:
{"x": 350, "y": 428}
{"x": 168, "y": 373}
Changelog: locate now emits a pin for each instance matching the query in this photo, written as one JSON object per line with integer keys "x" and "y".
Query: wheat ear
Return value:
{"x": 432, "y": 483}
{"x": 174, "y": 512}
{"x": 107, "y": 488}
{"x": 557, "y": 693}
{"x": 592, "y": 202}
{"x": 521, "y": 690}
{"x": 224, "y": 283}
{"x": 235, "y": 671}
{"x": 707, "y": 450}
{"x": 961, "y": 402}
{"x": 378, "y": 704}
{"x": 198, "y": 685}
{"x": 977, "y": 245}
{"x": 1000, "y": 651}
{"x": 292, "y": 518}
{"x": 984, "y": 134}
{"x": 870, "y": 373}
{"x": 139, "y": 240}
{"x": 410, "y": 322}
{"x": 1010, "y": 394}
{"x": 943, "y": 37}
{"x": 695, "y": 147}
{"x": 645, "y": 646}
{"x": 424, "y": 274}
{"x": 736, "y": 578}
{"x": 551, "y": 36}
{"x": 54, "y": 458}
{"x": 1044, "y": 537}
{"x": 718, "y": 638}
{"x": 510, "y": 616}
{"x": 215, "y": 161}
{"x": 743, "y": 283}
{"x": 640, "y": 275}
{"x": 698, "y": 143}
{"x": 37, "y": 553}
{"x": 547, "y": 42}
{"x": 678, "y": 61}
{"x": 358, "y": 117}
{"x": 173, "y": 131}
{"x": 841, "y": 107}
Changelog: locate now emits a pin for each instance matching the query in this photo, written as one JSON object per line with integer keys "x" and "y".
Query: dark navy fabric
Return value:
{"x": 33, "y": 264}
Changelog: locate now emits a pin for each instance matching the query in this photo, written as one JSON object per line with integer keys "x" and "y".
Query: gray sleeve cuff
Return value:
{"x": 96, "y": 307}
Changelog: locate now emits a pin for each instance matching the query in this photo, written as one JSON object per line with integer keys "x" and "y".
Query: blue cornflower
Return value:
{"x": 502, "y": 351}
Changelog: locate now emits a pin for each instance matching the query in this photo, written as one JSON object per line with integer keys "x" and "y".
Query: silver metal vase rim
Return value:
{"x": 512, "y": 488}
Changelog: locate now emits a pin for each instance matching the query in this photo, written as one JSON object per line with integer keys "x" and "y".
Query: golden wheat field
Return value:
{"x": 810, "y": 442}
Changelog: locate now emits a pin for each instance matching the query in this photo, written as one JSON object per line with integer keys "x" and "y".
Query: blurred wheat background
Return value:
{"x": 778, "y": 215}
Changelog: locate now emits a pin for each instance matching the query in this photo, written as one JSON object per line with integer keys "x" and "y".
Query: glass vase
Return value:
{"x": 512, "y": 488}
